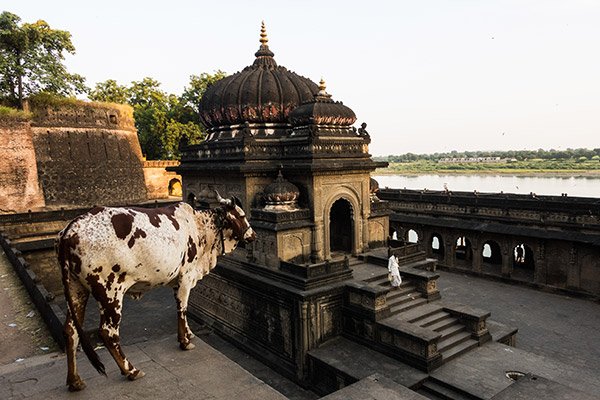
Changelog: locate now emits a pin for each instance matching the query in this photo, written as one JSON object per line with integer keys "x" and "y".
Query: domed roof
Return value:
{"x": 261, "y": 93}
{"x": 280, "y": 194}
{"x": 322, "y": 110}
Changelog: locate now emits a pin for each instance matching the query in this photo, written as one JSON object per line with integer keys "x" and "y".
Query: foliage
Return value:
{"x": 162, "y": 120}
{"x": 539, "y": 165}
{"x": 14, "y": 114}
{"x": 519, "y": 155}
{"x": 31, "y": 60}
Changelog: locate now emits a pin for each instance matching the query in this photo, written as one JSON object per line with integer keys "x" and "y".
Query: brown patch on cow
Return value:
{"x": 122, "y": 223}
{"x": 155, "y": 213}
{"x": 139, "y": 233}
{"x": 96, "y": 210}
{"x": 122, "y": 277}
{"x": 116, "y": 268}
{"x": 109, "y": 280}
{"x": 97, "y": 270}
{"x": 69, "y": 245}
{"x": 192, "y": 250}
{"x": 110, "y": 307}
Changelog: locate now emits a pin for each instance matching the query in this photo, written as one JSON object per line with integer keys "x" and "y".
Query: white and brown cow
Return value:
{"x": 110, "y": 251}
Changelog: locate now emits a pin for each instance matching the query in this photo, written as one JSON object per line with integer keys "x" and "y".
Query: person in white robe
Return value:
{"x": 394, "y": 271}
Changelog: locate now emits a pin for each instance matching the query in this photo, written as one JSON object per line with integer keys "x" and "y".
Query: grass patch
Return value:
{"x": 9, "y": 113}
{"x": 44, "y": 100}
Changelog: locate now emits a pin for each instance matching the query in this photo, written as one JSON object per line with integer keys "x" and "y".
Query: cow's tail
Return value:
{"x": 86, "y": 345}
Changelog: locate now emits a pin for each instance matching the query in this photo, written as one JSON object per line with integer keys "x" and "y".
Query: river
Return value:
{"x": 581, "y": 186}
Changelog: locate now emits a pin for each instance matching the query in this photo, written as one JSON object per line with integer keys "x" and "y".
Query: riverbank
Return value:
{"x": 576, "y": 173}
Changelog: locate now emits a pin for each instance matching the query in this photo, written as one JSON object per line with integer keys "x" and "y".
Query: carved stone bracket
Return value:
{"x": 473, "y": 319}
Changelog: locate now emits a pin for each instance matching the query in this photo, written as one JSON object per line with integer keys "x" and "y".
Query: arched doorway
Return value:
{"x": 463, "y": 253}
{"x": 437, "y": 246}
{"x": 175, "y": 187}
{"x": 412, "y": 236}
{"x": 523, "y": 263}
{"x": 491, "y": 256}
{"x": 340, "y": 226}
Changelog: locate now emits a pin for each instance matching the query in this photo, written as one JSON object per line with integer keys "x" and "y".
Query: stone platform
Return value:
{"x": 203, "y": 373}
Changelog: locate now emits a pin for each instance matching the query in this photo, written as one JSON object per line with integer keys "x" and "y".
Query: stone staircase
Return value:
{"x": 454, "y": 340}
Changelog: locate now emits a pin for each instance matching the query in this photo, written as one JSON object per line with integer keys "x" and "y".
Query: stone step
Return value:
{"x": 421, "y": 312}
{"x": 400, "y": 292}
{"x": 443, "y": 323}
{"x": 459, "y": 349}
{"x": 451, "y": 330}
{"x": 427, "y": 320}
{"x": 410, "y": 296}
{"x": 446, "y": 343}
{"x": 433, "y": 389}
{"x": 408, "y": 305}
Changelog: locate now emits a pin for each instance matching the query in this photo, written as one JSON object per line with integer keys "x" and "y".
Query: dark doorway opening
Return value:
{"x": 340, "y": 226}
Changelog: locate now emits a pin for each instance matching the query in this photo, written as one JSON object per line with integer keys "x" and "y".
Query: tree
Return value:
{"x": 109, "y": 91}
{"x": 162, "y": 120}
{"x": 31, "y": 60}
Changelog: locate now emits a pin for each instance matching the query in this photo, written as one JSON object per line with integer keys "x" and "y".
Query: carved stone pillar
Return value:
{"x": 541, "y": 263}
{"x": 573, "y": 279}
{"x": 507, "y": 261}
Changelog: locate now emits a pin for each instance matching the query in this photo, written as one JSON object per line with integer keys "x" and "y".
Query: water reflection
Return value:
{"x": 581, "y": 186}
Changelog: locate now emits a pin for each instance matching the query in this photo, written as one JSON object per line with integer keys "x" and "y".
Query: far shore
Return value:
{"x": 508, "y": 172}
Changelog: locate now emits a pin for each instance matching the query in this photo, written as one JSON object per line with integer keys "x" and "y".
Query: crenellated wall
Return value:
{"x": 88, "y": 154}
{"x": 19, "y": 186}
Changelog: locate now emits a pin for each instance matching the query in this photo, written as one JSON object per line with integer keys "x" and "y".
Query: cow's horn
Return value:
{"x": 221, "y": 200}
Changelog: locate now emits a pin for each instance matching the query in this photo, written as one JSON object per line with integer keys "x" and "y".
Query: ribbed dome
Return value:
{"x": 280, "y": 193}
{"x": 322, "y": 110}
{"x": 261, "y": 93}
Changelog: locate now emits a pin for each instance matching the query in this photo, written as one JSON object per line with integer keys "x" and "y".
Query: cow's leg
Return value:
{"x": 110, "y": 318}
{"x": 80, "y": 297}
{"x": 184, "y": 334}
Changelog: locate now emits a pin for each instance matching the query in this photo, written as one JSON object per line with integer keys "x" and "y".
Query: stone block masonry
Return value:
{"x": 88, "y": 154}
{"x": 19, "y": 186}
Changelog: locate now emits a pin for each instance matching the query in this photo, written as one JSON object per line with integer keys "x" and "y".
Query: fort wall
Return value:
{"x": 160, "y": 183}
{"x": 87, "y": 154}
{"x": 19, "y": 186}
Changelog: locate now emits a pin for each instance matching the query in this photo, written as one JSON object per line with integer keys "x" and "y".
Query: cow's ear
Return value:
{"x": 236, "y": 201}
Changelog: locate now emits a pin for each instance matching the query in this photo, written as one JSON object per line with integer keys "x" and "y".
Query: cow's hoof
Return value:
{"x": 136, "y": 374}
{"x": 76, "y": 386}
{"x": 188, "y": 346}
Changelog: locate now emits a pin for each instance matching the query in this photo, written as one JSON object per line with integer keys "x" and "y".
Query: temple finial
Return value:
{"x": 263, "y": 34}
{"x": 264, "y": 56}
{"x": 322, "y": 92}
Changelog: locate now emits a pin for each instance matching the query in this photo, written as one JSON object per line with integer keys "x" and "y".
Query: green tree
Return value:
{"x": 31, "y": 60}
{"x": 109, "y": 91}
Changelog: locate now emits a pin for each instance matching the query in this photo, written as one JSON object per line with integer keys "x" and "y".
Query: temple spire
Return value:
{"x": 322, "y": 92}
{"x": 264, "y": 56}
{"x": 263, "y": 34}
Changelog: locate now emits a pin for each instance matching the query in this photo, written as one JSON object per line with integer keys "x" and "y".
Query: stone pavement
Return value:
{"x": 202, "y": 373}
{"x": 556, "y": 326}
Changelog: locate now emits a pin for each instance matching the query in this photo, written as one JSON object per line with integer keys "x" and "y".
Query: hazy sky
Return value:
{"x": 426, "y": 76}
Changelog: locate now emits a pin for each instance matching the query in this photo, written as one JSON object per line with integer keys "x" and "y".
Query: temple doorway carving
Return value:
{"x": 341, "y": 227}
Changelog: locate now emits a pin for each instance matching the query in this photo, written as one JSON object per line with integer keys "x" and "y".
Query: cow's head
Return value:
{"x": 235, "y": 217}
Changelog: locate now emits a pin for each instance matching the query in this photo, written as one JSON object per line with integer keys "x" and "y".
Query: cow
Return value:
{"x": 110, "y": 251}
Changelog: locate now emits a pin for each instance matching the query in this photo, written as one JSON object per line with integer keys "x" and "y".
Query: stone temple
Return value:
{"x": 310, "y": 296}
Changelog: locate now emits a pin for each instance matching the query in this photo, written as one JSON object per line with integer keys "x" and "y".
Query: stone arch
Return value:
{"x": 463, "y": 251}
{"x": 175, "y": 188}
{"x": 412, "y": 236}
{"x": 341, "y": 226}
{"x": 523, "y": 262}
{"x": 491, "y": 257}
{"x": 349, "y": 195}
{"x": 436, "y": 246}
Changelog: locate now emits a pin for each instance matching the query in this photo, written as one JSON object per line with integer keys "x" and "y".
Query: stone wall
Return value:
{"x": 161, "y": 183}
{"x": 19, "y": 186}
{"x": 88, "y": 154}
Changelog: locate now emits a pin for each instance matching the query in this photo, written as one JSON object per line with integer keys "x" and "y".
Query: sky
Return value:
{"x": 426, "y": 76}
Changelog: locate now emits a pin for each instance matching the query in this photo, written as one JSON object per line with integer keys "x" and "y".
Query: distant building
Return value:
{"x": 472, "y": 160}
